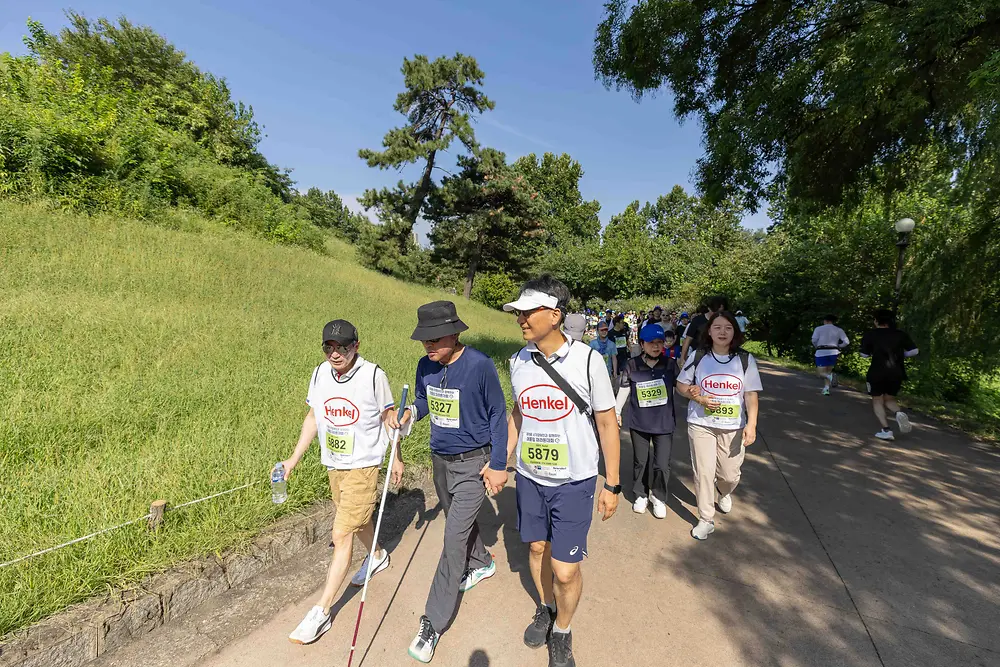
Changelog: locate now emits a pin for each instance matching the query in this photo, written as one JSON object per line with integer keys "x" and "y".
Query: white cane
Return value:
{"x": 378, "y": 522}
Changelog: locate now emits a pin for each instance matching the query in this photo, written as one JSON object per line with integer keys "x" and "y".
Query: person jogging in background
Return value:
{"x": 722, "y": 382}
{"x": 829, "y": 340}
{"x": 742, "y": 321}
{"x": 692, "y": 335}
{"x": 606, "y": 348}
{"x": 888, "y": 348}
{"x": 559, "y": 387}
{"x": 350, "y": 404}
{"x": 459, "y": 388}
{"x": 621, "y": 334}
{"x": 648, "y": 387}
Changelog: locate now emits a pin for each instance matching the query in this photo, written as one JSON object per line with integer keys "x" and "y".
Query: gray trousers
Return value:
{"x": 658, "y": 468}
{"x": 461, "y": 491}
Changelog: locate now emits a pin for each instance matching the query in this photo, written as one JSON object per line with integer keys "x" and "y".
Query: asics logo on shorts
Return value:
{"x": 574, "y": 550}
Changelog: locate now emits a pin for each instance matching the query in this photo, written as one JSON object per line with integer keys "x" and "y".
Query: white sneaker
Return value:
{"x": 380, "y": 564}
{"x": 312, "y": 626}
{"x": 639, "y": 506}
{"x": 474, "y": 576}
{"x": 659, "y": 508}
{"x": 904, "y": 422}
{"x": 726, "y": 503}
{"x": 423, "y": 645}
{"x": 885, "y": 434}
{"x": 703, "y": 530}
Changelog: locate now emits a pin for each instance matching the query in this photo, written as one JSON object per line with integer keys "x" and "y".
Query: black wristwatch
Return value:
{"x": 616, "y": 489}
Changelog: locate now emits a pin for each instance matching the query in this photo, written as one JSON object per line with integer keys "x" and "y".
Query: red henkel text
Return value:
{"x": 341, "y": 411}
{"x": 546, "y": 403}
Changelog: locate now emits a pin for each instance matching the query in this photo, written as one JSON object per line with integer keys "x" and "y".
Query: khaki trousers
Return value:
{"x": 716, "y": 458}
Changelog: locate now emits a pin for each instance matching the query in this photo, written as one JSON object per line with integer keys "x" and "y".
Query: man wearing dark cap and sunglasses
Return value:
{"x": 459, "y": 388}
{"x": 350, "y": 402}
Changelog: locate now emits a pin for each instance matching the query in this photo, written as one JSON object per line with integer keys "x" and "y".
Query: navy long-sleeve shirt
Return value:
{"x": 482, "y": 409}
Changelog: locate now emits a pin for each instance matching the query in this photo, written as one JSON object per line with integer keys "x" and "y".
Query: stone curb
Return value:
{"x": 83, "y": 632}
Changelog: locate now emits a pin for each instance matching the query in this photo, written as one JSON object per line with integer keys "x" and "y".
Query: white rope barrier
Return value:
{"x": 122, "y": 525}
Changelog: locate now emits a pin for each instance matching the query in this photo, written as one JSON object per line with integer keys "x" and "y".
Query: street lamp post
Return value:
{"x": 904, "y": 227}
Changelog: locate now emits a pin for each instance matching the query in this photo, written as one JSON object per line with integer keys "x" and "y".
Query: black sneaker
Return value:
{"x": 561, "y": 650}
{"x": 537, "y": 633}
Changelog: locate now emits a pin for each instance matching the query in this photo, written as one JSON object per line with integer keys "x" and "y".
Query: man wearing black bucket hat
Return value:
{"x": 459, "y": 388}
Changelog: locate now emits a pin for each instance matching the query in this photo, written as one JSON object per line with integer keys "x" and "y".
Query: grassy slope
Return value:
{"x": 139, "y": 363}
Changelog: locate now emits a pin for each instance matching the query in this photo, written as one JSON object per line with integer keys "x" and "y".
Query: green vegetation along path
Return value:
{"x": 841, "y": 550}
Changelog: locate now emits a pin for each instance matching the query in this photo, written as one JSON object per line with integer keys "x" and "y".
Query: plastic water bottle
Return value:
{"x": 279, "y": 487}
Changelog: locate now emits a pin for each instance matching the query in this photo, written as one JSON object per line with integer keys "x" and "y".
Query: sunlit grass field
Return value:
{"x": 138, "y": 363}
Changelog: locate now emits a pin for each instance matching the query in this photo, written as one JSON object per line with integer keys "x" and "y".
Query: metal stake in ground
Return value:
{"x": 378, "y": 522}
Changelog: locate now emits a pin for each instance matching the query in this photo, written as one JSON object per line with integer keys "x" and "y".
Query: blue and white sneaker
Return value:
{"x": 381, "y": 563}
{"x": 423, "y": 645}
{"x": 473, "y": 577}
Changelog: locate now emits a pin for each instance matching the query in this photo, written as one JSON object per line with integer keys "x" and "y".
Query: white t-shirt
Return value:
{"x": 829, "y": 334}
{"x": 348, "y": 410}
{"x": 557, "y": 443}
{"x": 721, "y": 378}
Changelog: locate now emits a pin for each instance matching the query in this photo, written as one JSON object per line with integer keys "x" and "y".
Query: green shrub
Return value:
{"x": 494, "y": 289}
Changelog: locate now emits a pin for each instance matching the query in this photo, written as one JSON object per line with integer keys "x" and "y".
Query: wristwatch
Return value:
{"x": 616, "y": 489}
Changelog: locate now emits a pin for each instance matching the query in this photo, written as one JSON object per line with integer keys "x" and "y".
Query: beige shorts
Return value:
{"x": 354, "y": 492}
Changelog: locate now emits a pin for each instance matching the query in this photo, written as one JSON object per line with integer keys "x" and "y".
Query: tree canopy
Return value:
{"x": 817, "y": 97}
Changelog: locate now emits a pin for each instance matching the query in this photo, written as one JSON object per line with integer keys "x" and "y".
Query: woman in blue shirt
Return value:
{"x": 606, "y": 348}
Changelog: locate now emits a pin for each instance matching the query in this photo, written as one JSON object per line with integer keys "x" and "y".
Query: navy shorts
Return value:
{"x": 557, "y": 514}
{"x": 826, "y": 360}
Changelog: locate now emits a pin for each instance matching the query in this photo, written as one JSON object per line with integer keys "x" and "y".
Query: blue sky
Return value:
{"x": 322, "y": 77}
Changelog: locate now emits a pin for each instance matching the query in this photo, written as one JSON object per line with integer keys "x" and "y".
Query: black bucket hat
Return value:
{"x": 436, "y": 320}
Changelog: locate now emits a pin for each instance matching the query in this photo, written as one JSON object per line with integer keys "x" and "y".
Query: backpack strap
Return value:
{"x": 744, "y": 359}
{"x": 315, "y": 376}
{"x": 699, "y": 354}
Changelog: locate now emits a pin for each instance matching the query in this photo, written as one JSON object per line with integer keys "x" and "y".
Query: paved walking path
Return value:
{"x": 841, "y": 550}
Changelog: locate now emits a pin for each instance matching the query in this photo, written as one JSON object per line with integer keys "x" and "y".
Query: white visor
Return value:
{"x": 531, "y": 299}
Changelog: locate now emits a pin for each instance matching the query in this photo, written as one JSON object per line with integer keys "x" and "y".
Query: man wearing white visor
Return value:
{"x": 560, "y": 388}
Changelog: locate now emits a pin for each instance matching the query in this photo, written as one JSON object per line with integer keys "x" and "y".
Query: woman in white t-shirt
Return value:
{"x": 721, "y": 380}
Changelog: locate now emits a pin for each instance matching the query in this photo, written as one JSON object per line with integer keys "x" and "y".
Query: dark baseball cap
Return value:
{"x": 340, "y": 331}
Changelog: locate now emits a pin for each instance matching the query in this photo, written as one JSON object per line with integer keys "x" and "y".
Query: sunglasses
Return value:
{"x": 529, "y": 313}
{"x": 342, "y": 350}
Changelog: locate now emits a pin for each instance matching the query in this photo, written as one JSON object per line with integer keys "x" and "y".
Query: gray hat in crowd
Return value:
{"x": 575, "y": 325}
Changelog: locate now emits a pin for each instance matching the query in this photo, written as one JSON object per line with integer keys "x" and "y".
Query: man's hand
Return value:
{"x": 397, "y": 472}
{"x": 394, "y": 422}
{"x": 607, "y": 504}
{"x": 619, "y": 420}
{"x": 494, "y": 480}
{"x": 749, "y": 435}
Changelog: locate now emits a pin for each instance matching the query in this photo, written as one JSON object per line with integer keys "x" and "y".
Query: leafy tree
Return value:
{"x": 486, "y": 217}
{"x": 568, "y": 217}
{"x": 178, "y": 94}
{"x": 438, "y": 103}
{"x": 817, "y": 96}
{"x": 327, "y": 210}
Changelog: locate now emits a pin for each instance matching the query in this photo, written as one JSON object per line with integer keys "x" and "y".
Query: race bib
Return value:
{"x": 728, "y": 414}
{"x": 340, "y": 442}
{"x": 443, "y": 405}
{"x": 621, "y": 342}
{"x": 651, "y": 393}
{"x": 546, "y": 454}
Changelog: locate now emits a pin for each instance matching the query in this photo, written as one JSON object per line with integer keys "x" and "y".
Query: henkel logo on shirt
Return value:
{"x": 340, "y": 411}
{"x": 721, "y": 384}
{"x": 544, "y": 403}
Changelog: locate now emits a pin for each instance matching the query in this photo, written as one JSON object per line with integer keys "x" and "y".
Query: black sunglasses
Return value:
{"x": 529, "y": 313}
{"x": 342, "y": 350}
